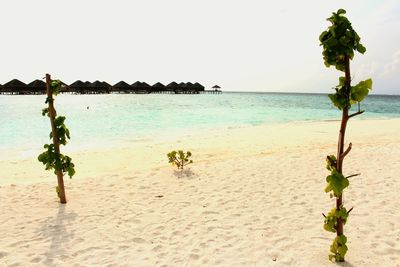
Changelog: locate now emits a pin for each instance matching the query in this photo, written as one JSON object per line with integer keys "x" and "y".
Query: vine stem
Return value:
{"x": 56, "y": 142}
{"x": 340, "y": 149}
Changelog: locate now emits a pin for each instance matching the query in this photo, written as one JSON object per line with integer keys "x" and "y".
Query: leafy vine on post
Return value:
{"x": 339, "y": 42}
{"x": 52, "y": 157}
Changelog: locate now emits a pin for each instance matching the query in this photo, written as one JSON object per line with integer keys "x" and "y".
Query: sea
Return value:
{"x": 104, "y": 119}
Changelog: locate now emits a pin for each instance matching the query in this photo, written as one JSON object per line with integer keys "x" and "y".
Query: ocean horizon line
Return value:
{"x": 299, "y": 93}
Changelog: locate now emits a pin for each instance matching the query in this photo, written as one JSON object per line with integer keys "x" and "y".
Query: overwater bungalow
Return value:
{"x": 198, "y": 87}
{"x": 121, "y": 87}
{"x": 158, "y": 88}
{"x": 98, "y": 87}
{"x": 146, "y": 86}
{"x": 173, "y": 87}
{"x": 15, "y": 87}
{"x": 140, "y": 88}
{"x": 78, "y": 87}
{"x": 37, "y": 87}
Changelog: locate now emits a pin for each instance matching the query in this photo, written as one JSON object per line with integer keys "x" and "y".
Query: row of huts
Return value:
{"x": 39, "y": 87}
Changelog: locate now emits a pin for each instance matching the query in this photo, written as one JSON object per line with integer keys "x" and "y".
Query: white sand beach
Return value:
{"x": 253, "y": 197}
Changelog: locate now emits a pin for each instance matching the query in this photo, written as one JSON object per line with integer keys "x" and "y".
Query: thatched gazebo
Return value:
{"x": 216, "y": 89}
{"x": 16, "y": 87}
{"x": 37, "y": 87}
{"x": 78, "y": 87}
{"x": 121, "y": 87}
{"x": 98, "y": 87}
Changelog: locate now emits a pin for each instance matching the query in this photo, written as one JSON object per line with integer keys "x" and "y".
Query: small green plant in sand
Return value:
{"x": 339, "y": 42}
{"x": 52, "y": 158}
{"x": 179, "y": 158}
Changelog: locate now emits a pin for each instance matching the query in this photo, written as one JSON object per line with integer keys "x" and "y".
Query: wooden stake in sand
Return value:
{"x": 56, "y": 141}
{"x": 52, "y": 158}
{"x": 339, "y": 42}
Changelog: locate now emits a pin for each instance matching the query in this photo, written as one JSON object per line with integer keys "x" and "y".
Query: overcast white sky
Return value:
{"x": 252, "y": 45}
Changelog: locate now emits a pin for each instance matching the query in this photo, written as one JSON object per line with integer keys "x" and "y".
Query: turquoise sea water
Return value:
{"x": 131, "y": 117}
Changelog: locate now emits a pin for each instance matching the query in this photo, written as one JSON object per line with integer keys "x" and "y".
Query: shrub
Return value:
{"x": 179, "y": 158}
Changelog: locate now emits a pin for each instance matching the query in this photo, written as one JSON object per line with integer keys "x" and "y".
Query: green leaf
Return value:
{"x": 336, "y": 183}
{"x": 342, "y": 239}
{"x": 323, "y": 36}
{"x": 341, "y": 11}
{"x": 360, "y": 91}
{"x": 361, "y": 48}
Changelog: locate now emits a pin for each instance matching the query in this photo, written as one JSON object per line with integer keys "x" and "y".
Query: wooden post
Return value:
{"x": 56, "y": 142}
{"x": 342, "y": 132}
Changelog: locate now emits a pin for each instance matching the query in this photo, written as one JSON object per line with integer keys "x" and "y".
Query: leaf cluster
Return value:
{"x": 56, "y": 161}
{"x": 330, "y": 222}
{"x": 56, "y": 86}
{"x": 179, "y": 158}
{"x": 62, "y": 130}
{"x": 345, "y": 98}
{"x": 338, "y": 249}
{"x": 336, "y": 183}
{"x": 339, "y": 40}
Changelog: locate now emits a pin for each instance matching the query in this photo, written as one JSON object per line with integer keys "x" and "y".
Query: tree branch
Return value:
{"x": 357, "y": 113}
{"x": 353, "y": 175}
{"x": 346, "y": 152}
{"x": 323, "y": 215}
{"x": 350, "y": 210}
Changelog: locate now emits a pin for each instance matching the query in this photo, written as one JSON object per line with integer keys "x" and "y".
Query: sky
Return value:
{"x": 253, "y": 45}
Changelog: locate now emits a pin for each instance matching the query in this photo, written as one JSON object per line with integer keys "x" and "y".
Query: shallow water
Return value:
{"x": 95, "y": 119}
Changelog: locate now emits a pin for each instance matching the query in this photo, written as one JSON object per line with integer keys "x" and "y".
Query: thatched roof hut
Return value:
{"x": 146, "y": 85}
{"x": 15, "y": 86}
{"x": 182, "y": 86}
{"x": 198, "y": 87}
{"x": 136, "y": 84}
{"x": 106, "y": 84}
{"x": 172, "y": 86}
{"x": 98, "y": 87}
{"x": 140, "y": 87}
{"x": 121, "y": 87}
{"x": 158, "y": 87}
{"x": 37, "y": 87}
{"x": 216, "y": 87}
{"x": 78, "y": 87}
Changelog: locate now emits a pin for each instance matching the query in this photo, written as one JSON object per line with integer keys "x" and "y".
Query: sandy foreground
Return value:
{"x": 253, "y": 197}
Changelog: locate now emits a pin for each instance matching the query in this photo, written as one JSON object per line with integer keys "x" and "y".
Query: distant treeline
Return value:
{"x": 39, "y": 87}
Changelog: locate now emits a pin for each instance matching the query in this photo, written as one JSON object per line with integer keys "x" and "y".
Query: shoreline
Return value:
{"x": 206, "y": 144}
